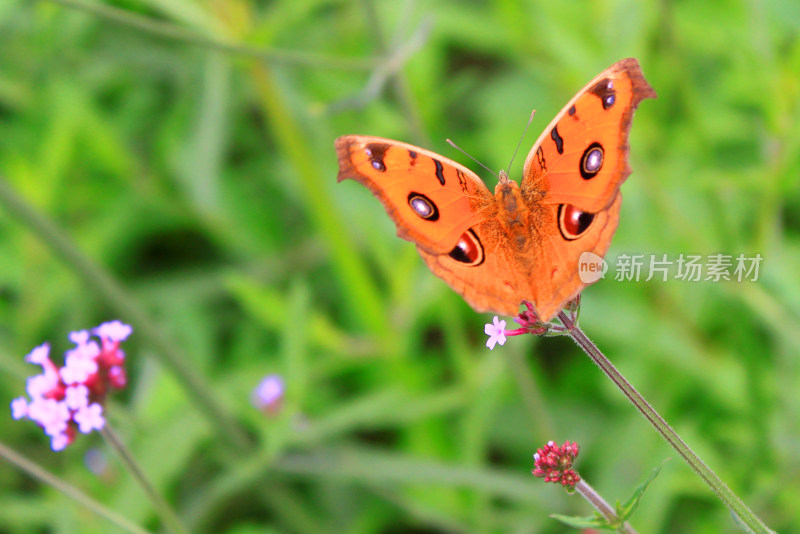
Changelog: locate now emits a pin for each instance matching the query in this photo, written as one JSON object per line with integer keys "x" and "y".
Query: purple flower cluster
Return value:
{"x": 70, "y": 398}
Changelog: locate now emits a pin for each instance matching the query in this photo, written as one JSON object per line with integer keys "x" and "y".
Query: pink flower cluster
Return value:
{"x": 527, "y": 319}
{"x": 69, "y": 398}
{"x": 554, "y": 464}
{"x": 530, "y": 323}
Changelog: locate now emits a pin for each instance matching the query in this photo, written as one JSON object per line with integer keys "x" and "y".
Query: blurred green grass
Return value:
{"x": 204, "y": 182}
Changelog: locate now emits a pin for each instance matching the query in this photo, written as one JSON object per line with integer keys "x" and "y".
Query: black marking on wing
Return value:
{"x": 571, "y": 110}
{"x": 572, "y": 222}
{"x": 468, "y": 250}
{"x": 376, "y": 153}
{"x": 591, "y": 161}
{"x": 540, "y": 157}
{"x": 462, "y": 180}
{"x": 423, "y": 206}
{"x": 557, "y": 138}
{"x": 604, "y": 90}
{"x": 439, "y": 171}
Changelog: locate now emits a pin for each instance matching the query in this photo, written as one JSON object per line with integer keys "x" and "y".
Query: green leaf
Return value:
{"x": 593, "y": 521}
{"x": 626, "y": 510}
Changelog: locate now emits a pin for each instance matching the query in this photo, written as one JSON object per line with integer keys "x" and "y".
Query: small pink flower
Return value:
{"x": 496, "y": 332}
{"x": 19, "y": 408}
{"x": 269, "y": 393}
{"x": 40, "y": 355}
{"x": 78, "y": 368}
{"x": 90, "y": 418}
{"x": 59, "y": 442}
{"x": 48, "y": 380}
{"x": 81, "y": 337}
{"x": 76, "y": 397}
{"x": 88, "y": 350}
{"x": 51, "y": 414}
{"x": 41, "y": 385}
{"x": 113, "y": 331}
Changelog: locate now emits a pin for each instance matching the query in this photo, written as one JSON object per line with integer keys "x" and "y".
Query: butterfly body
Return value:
{"x": 524, "y": 242}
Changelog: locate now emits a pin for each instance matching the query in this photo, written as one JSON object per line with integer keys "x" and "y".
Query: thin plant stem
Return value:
{"x": 176, "y": 33}
{"x": 594, "y": 498}
{"x": 162, "y": 508}
{"x": 119, "y": 300}
{"x": 709, "y": 477}
{"x": 69, "y": 490}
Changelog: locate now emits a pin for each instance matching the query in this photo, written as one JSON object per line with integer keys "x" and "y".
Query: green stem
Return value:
{"x": 70, "y": 491}
{"x": 709, "y": 477}
{"x": 594, "y": 498}
{"x": 176, "y": 33}
{"x": 165, "y": 512}
{"x": 119, "y": 300}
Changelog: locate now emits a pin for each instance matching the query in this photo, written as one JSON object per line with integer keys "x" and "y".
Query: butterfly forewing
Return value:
{"x": 431, "y": 199}
{"x": 581, "y": 158}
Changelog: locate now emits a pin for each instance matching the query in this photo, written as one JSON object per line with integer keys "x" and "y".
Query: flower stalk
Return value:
{"x": 530, "y": 323}
{"x": 730, "y": 499}
{"x": 164, "y": 511}
{"x": 605, "y": 509}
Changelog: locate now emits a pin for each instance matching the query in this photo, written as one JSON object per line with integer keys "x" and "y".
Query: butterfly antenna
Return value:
{"x": 525, "y": 131}
{"x": 452, "y": 144}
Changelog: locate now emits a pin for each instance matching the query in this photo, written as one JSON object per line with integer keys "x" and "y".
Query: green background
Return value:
{"x": 200, "y": 180}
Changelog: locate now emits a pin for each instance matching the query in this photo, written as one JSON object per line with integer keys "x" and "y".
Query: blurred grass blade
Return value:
{"x": 372, "y": 466}
{"x": 71, "y": 491}
{"x": 162, "y": 508}
{"x": 176, "y": 33}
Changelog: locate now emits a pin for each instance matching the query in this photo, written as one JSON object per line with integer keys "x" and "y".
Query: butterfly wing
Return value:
{"x": 581, "y": 158}
{"x": 442, "y": 207}
{"x": 431, "y": 199}
{"x": 573, "y": 174}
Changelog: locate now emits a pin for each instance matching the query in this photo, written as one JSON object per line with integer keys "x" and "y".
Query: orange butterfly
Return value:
{"x": 523, "y": 242}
